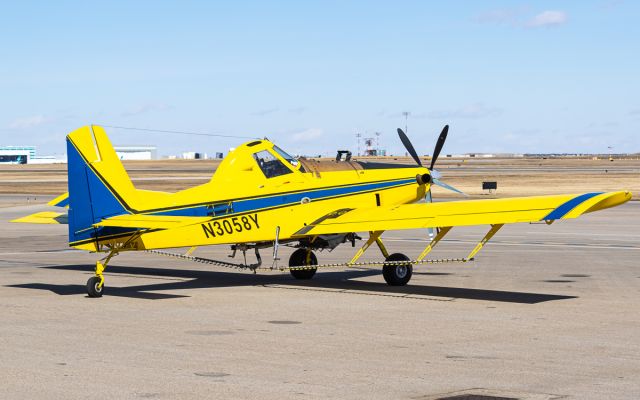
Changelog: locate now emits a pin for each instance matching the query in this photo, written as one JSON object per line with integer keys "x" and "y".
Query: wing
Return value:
{"x": 121, "y": 221}
{"x": 460, "y": 213}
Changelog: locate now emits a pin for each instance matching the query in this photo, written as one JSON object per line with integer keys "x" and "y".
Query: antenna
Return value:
{"x": 378, "y": 139}
{"x": 358, "y": 136}
{"x": 406, "y": 117}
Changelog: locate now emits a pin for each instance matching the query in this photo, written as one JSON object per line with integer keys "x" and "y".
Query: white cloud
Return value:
{"x": 29, "y": 122}
{"x": 307, "y": 135}
{"x": 547, "y": 18}
{"x": 471, "y": 111}
{"x": 145, "y": 108}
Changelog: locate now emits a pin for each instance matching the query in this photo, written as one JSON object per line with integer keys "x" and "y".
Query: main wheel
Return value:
{"x": 299, "y": 257}
{"x": 397, "y": 274}
{"x": 93, "y": 287}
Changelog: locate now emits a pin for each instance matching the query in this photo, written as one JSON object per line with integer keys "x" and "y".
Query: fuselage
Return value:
{"x": 258, "y": 189}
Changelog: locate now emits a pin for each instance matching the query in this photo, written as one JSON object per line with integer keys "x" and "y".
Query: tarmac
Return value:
{"x": 545, "y": 312}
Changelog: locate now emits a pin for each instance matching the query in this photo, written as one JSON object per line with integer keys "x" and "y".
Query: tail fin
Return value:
{"x": 99, "y": 186}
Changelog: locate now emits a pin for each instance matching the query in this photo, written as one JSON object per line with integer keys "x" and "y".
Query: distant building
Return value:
{"x": 136, "y": 152}
{"x": 16, "y": 154}
{"x": 192, "y": 155}
{"x": 30, "y": 149}
{"x": 47, "y": 160}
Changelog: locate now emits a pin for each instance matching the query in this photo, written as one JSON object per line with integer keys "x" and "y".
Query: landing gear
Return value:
{"x": 397, "y": 274}
{"x": 303, "y": 257}
{"x": 94, "y": 287}
{"x": 95, "y": 284}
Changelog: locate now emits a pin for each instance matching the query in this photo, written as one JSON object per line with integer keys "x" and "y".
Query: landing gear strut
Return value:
{"x": 95, "y": 284}
{"x": 303, "y": 257}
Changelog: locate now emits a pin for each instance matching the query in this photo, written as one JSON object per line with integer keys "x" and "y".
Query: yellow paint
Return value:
{"x": 58, "y": 199}
{"x": 462, "y": 213}
{"x": 44, "y": 217}
{"x": 443, "y": 231}
{"x": 494, "y": 229}
{"x": 373, "y": 237}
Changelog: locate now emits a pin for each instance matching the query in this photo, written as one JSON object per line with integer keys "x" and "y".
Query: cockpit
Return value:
{"x": 271, "y": 165}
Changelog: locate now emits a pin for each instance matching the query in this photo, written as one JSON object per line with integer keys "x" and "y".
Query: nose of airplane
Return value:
{"x": 423, "y": 179}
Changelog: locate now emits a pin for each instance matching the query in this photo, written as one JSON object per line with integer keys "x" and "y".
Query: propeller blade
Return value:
{"x": 407, "y": 145}
{"x": 427, "y": 197}
{"x": 439, "y": 144}
{"x": 446, "y": 186}
{"x": 436, "y": 174}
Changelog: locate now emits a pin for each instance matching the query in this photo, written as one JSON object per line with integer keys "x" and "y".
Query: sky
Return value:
{"x": 507, "y": 76}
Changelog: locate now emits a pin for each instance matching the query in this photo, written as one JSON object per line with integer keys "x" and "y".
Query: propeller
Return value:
{"x": 435, "y": 175}
{"x": 407, "y": 145}
{"x": 439, "y": 144}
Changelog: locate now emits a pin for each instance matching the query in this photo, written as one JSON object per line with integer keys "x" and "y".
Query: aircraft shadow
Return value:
{"x": 339, "y": 280}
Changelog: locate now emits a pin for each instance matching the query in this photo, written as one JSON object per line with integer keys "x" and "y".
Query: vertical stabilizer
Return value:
{"x": 99, "y": 186}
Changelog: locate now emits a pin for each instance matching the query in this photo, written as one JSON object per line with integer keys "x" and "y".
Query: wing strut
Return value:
{"x": 374, "y": 236}
{"x": 494, "y": 228}
{"x": 443, "y": 231}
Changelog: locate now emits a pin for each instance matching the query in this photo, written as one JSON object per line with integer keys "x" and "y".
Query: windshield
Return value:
{"x": 270, "y": 165}
{"x": 286, "y": 156}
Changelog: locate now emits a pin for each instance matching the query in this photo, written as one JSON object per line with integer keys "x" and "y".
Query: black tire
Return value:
{"x": 299, "y": 257}
{"x": 397, "y": 274}
{"x": 93, "y": 288}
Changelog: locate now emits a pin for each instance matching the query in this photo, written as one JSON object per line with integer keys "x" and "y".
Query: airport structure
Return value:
{"x": 194, "y": 155}
{"x": 17, "y": 154}
{"x": 137, "y": 152}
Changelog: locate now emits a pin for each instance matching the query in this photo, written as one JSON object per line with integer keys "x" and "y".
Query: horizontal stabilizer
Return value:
{"x": 60, "y": 201}
{"x": 44, "y": 217}
{"x": 150, "y": 221}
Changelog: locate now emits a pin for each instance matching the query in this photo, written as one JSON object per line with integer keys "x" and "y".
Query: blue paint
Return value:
{"x": 564, "y": 208}
{"x": 253, "y": 204}
{"x": 62, "y": 203}
{"x": 90, "y": 201}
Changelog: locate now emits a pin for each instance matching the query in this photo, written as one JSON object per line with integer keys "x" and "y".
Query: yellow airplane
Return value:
{"x": 262, "y": 197}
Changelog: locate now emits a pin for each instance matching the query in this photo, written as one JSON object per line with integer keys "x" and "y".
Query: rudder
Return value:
{"x": 99, "y": 186}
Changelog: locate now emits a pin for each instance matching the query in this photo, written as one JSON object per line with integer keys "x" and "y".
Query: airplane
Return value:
{"x": 261, "y": 197}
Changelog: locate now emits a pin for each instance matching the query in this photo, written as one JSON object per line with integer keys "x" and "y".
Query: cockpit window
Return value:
{"x": 270, "y": 165}
{"x": 286, "y": 156}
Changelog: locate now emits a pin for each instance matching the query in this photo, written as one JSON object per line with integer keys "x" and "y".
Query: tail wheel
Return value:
{"x": 94, "y": 289}
{"x": 299, "y": 257}
{"x": 397, "y": 274}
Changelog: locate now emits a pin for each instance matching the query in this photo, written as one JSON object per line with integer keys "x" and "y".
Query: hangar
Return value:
{"x": 137, "y": 152}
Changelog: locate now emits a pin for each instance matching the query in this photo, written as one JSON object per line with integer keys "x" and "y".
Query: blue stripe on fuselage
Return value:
{"x": 253, "y": 204}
